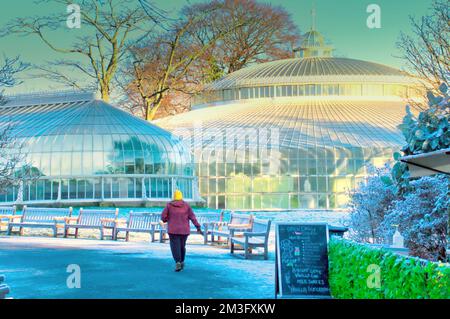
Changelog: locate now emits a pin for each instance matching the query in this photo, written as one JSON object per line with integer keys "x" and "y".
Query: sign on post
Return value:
{"x": 302, "y": 260}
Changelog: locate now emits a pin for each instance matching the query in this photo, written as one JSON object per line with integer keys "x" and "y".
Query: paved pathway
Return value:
{"x": 36, "y": 268}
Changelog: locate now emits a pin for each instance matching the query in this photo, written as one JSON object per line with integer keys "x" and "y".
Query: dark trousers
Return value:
{"x": 178, "y": 246}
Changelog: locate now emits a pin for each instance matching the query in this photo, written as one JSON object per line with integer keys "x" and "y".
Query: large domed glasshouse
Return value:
{"x": 295, "y": 133}
{"x": 83, "y": 150}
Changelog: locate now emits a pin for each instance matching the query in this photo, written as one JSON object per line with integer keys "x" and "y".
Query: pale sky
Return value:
{"x": 343, "y": 23}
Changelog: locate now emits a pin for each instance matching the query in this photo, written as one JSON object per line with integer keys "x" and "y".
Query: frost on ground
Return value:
{"x": 36, "y": 266}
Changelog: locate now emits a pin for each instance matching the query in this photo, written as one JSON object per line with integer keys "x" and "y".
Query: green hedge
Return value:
{"x": 400, "y": 277}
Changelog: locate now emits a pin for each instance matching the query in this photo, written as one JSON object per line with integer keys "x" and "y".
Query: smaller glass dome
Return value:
{"x": 313, "y": 39}
{"x": 313, "y": 45}
{"x": 85, "y": 149}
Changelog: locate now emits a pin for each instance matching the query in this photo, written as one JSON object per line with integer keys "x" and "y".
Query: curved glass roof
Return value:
{"x": 78, "y": 135}
{"x": 286, "y": 153}
{"x": 305, "y": 122}
{"x": 312, "y": 70}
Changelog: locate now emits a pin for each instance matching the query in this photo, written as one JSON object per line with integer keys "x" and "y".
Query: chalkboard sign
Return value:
{"x": 302, "y": 260}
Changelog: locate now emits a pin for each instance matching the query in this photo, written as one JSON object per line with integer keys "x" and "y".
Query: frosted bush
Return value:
{"x": 420, "y": 207}
{"x": 422, "y": 217}
{"x": 368, "y": 205}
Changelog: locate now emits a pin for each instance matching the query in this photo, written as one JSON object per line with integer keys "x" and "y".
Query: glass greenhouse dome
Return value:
{"x": 84, "y": 150}
{"x": 295, "y": 133}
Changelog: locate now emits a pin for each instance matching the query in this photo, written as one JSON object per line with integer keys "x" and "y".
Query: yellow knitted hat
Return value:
{"x": 178, "y": 195}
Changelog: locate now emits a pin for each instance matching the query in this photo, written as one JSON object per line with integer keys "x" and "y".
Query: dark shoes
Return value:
{"x": 179, "y": 266}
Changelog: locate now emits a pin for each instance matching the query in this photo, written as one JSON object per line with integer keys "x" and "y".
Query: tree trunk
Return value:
{"x": 104, "y": 90}
{"x": 152, "y": 108}
{"x": 151, "y": 111}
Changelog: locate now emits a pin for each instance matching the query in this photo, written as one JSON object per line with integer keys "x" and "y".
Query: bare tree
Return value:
{"x": 170, "y": 62}
{"x": 427, "y": 52}
{"x": 11, "y": 156}
{"x": 211, "y": 38}
{"x": 108, "y": 26}
{"x": 268, "y": 34}
{"x": 8, "y": 71}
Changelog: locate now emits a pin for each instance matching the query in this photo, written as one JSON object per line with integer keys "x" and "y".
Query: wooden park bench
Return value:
{"x": 6, "y": 214}
{"x": 4, "y": 289}
{"x": 207, "y": 222}
{"x": 258, "y": 236}
{"x": 34, "y": 217}
{"x": 140, "y": 223}
{"x": 237, "y": 223}
{"x": 92, "y": 219}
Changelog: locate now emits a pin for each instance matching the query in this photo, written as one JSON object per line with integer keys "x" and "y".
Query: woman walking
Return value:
{"x": 177, "y": 214}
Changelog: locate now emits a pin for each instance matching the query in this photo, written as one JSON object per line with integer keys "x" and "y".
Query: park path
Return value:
{"x": 36, "y": 268}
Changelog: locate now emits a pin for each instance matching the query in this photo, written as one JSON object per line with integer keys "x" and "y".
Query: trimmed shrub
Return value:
{"x": 352, "y": 268}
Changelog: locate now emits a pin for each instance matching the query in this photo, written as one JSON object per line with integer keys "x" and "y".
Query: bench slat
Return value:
{"x": 44, "y": 215}
{"x": 94, "y": 217}
{"x": 7, "y": 210}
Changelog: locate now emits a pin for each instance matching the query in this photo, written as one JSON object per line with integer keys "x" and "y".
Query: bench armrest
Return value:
{"x": 10, "y": 217}
{"x": 70, "y": 219}
{"x": 252, "y": 234}
{"x": 121, "y": 221}
{"x": 160, "y": 223}
{"x": 239, "y": 226}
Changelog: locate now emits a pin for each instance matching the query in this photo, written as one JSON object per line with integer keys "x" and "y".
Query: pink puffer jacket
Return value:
{"x": 178, "y": 214}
